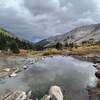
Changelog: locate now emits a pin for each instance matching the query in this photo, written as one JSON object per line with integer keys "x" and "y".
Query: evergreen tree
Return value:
{"x": 14, "y": 47}
{"x": 58, "y": 46}
{"x": 66, "y": 44}
{"x": 71, "y": 45}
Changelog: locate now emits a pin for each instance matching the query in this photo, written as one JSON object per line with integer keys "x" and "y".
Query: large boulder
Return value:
{"x": 97, "y": 74}
{"x": 55, "y": 93}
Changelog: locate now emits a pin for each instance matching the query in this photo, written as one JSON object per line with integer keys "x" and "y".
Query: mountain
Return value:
{"x": 7, "y": 33}
{"x": 77, "y": 35}
{"x": 9, "y": 40}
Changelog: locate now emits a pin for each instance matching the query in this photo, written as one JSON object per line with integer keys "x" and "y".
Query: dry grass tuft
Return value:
{"x": 51, "y": 52}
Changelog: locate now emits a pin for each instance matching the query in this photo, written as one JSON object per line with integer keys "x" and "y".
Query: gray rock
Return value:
{"x": 97, "y": 74}
{"x": 55, "y": 93}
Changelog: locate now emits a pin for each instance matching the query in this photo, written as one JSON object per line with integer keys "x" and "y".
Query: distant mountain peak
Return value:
{"x": 76, "y": 35}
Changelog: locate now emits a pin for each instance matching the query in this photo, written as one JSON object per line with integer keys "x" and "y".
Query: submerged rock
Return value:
{"x": 97, "y": 66}
{"x": 13, "y": 75}
{"x": 46, "y": 97}
{"x": 25, "y": 67}
{"x": 16, "y": 95}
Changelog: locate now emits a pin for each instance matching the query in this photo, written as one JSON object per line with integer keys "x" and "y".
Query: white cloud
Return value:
{"x": 69, "y": 4}
{"x": 97, "y": 2}
{"x": 83, "y": 21}
{"x": 64, "y": 8}
{"x": 42, "y": 18}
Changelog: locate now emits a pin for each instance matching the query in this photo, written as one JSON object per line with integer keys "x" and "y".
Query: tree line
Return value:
{"x": 13, "y": 43}
{"x": 66, "y": 44}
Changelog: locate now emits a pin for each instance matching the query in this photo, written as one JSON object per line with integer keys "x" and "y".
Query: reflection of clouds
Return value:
{"x": 67, "y": 72}
{"x": 92, "y": 81}
{"x": 59, "y": 68}
{"x": 37, "y": 75}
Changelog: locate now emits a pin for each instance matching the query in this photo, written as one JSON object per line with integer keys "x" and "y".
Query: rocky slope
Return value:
{"x": 77, "y": 35}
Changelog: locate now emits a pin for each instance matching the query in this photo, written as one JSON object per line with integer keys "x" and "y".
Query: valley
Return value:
{"x": 36, "y": 67}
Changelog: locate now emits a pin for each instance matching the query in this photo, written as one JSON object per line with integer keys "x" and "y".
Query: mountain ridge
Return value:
{"x": 76, "y": 35}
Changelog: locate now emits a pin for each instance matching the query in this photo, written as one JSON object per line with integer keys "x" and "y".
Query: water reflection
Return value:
{"x": 70, "y": 74}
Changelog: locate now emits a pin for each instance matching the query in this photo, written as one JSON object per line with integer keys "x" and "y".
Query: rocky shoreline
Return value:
{"x": 94, "y": 92}
{"x": 93, "y": 59}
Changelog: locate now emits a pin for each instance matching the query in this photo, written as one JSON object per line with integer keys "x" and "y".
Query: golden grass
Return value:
{"x": 46, "y": 52}
{"x": 83, "y": 50}
{"x": 51, "y": 52}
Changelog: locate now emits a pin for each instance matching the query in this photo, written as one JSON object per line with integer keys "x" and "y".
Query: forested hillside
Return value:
{"x": 10, "y": 41}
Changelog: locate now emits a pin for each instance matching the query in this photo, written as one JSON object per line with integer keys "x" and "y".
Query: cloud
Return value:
{"x": 42, "y": 6}
{"x": 38, "y": 19}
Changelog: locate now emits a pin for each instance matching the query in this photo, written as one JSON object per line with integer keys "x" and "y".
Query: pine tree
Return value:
{"x": 14, "y": 47}
{"x": 58, "y": 46}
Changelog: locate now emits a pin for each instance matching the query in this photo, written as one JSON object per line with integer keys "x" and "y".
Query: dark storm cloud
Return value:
{"x": 37, "y": 19}
{"x": 42, "y": 6}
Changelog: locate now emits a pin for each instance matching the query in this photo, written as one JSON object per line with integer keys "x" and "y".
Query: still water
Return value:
{"x": 72, "y": 75}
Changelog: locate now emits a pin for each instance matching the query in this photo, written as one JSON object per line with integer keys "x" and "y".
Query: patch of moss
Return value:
{"x": 66, "y": 98}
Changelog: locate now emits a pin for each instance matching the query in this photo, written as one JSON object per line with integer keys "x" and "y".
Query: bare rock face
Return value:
{"x": 54, "y": 94}
{"x": 77, "y": 35}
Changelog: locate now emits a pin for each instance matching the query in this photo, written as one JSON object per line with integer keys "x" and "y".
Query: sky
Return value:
{"x": 38, "y": 19}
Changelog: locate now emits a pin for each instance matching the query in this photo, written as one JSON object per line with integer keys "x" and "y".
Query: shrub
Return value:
{"x": 50, "y": 52}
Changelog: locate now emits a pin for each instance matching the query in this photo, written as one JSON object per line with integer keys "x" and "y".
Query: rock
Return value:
{"x": 55, "y": 93}
{"x": 46, "y": 97}
{"x": 16, "y": 95}
{"x": 97, "y": 74}
{"x": 7, "y": 69}
{"x": 25, "y": 67}
{"x": 96, "y": 59}
{"x": 95, "y": 65}
{"x": 13, "y": 75}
